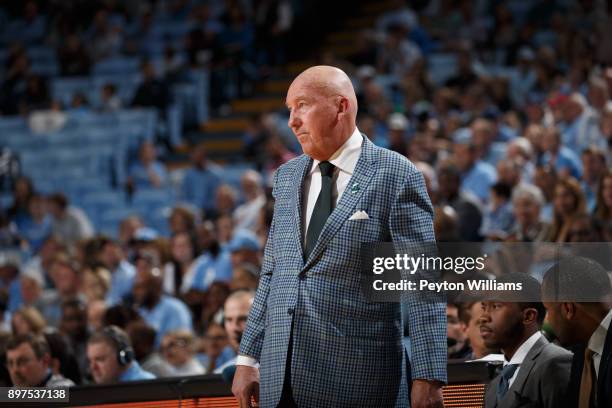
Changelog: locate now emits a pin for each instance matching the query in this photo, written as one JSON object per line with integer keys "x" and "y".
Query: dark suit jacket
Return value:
{"x": 541, "y": 382}
{"x": 604, "y": 379}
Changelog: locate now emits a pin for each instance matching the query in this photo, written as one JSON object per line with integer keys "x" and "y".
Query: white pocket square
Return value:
{"x": 360, "y": 215}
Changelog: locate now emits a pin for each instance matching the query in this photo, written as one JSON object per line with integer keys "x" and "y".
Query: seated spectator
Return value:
{"x": 10, "y": 284}
{"x": 212, "y": 304}
{"x": 152, "y": 92}
{"x": 603, "y": 208}
{"x": 226, "y": 200}
{"x": 111, "y": 357}
{"x": 63, "y": 360}
{"x": 179, "y": 271}
{"x": 178, "y": 349}
{"x": 28, "y": 360}
{"x": 70, "y": 224}
{"x": 37, "y": 227}
{"x": 477, "y": 176}
{"x": 545, "y": 178}
{"x": 236, "y": 311}
{"x": 73, "y": 58}
{"x": 201, "y": 180}
{"x": 163, "y": 313}
{"x": 73, "y": 324}
{"x": 66, "y": 277}
{"x": 498, "y": 218}
{"x": 527, "y": 202}
{"x": 244, "y": 247}
{"x": 95, "y": 314}
{"x": 110, "y": 254}
{"x": 577, "y": 293}
{"x": 484, "y": 134}
{"x": 569, "y": 201}
{"x": 216, "y": 349}
{"x": 467, "y": 207}
{"x": 182, "y": 220}
{"x": 593, "y": 167}
{"x": 245, "y": 276}
{"x": 470, "y": 314}
{"x": 534, "y": 369}
{"x": 28, "y": 320}
{"x": 23, "y": 190}
{"x": 148, "y": 172}
{"x": 96, "y": 283}
{"x": 245, "y": 215}
{"x": 110, "y": 101}
{"x": 458, "y": 345}
{"x": 580, "y": 120}
{"x": 143, "y": 340}
{"x": 564, "y": 160}
{"x": 214, "y": 265}
{"x": 584, "y": 228}
{"x": 31, "y": 290}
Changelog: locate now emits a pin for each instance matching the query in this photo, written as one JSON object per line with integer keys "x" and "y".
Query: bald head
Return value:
{"x": 323, "y": 110}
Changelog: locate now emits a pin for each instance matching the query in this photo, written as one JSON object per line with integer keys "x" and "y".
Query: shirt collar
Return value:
{"x": 598, "y": 338}
{"x": 522, "y": 351}
{"x": 345, "y": 158}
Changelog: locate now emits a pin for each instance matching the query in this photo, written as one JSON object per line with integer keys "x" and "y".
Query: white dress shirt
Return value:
{"x": 345, "y": 160}
{"x": 598, "y": 339}
{"x": 521, "y": 353}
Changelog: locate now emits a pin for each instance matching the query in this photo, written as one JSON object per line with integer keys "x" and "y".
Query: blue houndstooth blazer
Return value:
{"x": 347, "y": 352}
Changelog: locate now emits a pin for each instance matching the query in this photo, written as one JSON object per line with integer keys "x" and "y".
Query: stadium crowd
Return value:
{"x": 504, "y": 106}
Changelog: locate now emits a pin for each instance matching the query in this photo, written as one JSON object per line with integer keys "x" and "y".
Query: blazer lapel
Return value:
{"x": 296, "y": 196}
{"x": 516, "y": 389}
{"x": 364, "y": 171}
{"x": 606, "y": 360}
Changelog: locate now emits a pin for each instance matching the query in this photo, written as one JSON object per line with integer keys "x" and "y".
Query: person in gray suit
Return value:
{"x": 535, "y": 372}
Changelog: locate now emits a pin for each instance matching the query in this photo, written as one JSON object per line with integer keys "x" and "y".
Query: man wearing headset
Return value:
{"x": 111, "y": 357}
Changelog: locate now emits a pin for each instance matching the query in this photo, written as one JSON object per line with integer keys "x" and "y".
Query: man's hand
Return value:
{"x": 426, "y": 394}
{"x": 246, "y": 385}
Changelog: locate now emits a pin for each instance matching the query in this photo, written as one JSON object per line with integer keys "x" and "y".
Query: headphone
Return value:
{"x": 125, "y": 352}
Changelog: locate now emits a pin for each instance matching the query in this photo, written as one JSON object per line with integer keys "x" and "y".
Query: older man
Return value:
{"x": 319, "y": 341}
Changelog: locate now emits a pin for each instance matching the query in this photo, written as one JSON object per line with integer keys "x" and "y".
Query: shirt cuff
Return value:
{"x": 247, "y": 361}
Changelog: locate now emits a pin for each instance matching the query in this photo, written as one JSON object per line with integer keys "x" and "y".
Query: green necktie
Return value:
{"x": 323, "y": 207}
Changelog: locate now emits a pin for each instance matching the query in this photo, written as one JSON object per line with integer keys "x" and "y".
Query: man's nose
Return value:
{"x": 294, "y": 120}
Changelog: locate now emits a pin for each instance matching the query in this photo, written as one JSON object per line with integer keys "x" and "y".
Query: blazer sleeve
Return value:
{"x": 411, "y": 225}
{"x": 252, "y": 339}
{"x": 554, "y": 381}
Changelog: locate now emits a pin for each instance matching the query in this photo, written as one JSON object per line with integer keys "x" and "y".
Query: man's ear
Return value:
{"x": 568, "y": 310}
{"x": 530, "y": 315}
{"x": 343, "y": 105}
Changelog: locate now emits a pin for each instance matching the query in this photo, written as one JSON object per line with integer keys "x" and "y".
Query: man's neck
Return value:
{"x": 511, "y": 349}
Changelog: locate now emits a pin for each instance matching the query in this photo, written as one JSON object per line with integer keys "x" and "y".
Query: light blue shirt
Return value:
{"x": 169, "y": 314}
{"x": 140, "y": 174}
{"x": 479, "y": 179}
{"x": 566, "y": 159}
{"x": 208, "y": 269}
{"x": 122, "y": 281}
{"x": 134, "y": 372}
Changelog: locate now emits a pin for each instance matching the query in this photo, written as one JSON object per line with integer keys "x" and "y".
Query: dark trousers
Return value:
{"x": 286, "y": 399}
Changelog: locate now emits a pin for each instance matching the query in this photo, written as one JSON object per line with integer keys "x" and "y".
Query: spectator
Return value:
{"x": 28, "y": 360}
{"x": 110, "y": 254}
{"x": 179, "y": 271}
{"x": 201, "y": 180}
{"x": 10, "y": 285}
{"x": 178, "y": 349}
{"x": 581, "y": 130}
{"x": 245, "y": 276}
{"x": 237, "y": 307}
{"x": 545, "y": 178}
{"x": 31, "y": 289}
{"x": 398, "y": 125}
{"x": 143, "y": 340}
{"x": 458, "y": 345}
{"x": 95, "y": 315}
{"x": 484, "y": 133}
{"x": 560, "y": 157}
{"x": 182, "y": 221}
{"x": 584, "y": 228}
{"x": 73, "y": 324}
{"x": 477, "y": 176}
{"x": 467, "y": 207}
{"x": 96, "y": 283}
{"x": 216, "y": 348}
{"x": 244, "y": 247}
{"x": 37, "y": 228}
{"x": 527, "y": 202}
{"x": 465, "y": 76}
{"x": 110, "y": 101}
{"x": 70, "y": 224}
{"x": 603, "y": 208}
{"x": 66, "y": 277}
{"x": 163, "y": 313}
{"x": 498, "y": 218}
{"x": 245, "y": 215}
{"x": 470, "y": 314}
{"x": 73, "y": 58}
{"x": 148, "y": 172}
{"x": 111, "y": 357}
{"x": 28, "y": 320}
{"x": 226, "y": 201}
{"x": 569, "y": 201}
{"x": 63, "y": 361}
{"x": 152, "y": 92}
{"x": 23, "y": 190}
{"x": 213, "y": 302}
{"x": 397, "y": 53}
{"x": 593, "y": 166}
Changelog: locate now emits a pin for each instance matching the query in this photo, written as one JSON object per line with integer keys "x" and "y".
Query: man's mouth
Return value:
{"x": 485, "y": 331}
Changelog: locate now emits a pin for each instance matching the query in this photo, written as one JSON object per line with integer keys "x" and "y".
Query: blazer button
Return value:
{"x": 290, "y": 311}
